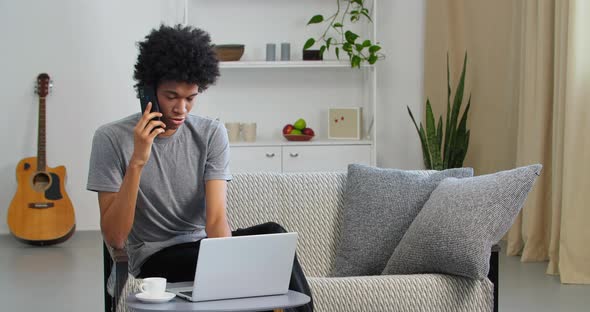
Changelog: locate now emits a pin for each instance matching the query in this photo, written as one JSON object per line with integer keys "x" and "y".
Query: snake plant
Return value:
{"x": 439, "y": 155}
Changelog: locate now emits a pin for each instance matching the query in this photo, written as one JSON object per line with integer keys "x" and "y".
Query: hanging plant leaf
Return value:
{"x": 365, "y": 12}
{"x": 309, "y": 43}
{"x": 347, "y": 47}
{"x": 374, "y": 48}
{"x": 356, "y": 61}
{"x": 350, "y": 36}
{"x": 316, "y": 19}
{"x": 373, "y": 59}
{"x": 328, "y": 43}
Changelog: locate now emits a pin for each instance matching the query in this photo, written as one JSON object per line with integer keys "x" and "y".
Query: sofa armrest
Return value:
{"x": 118, "y": 255}
{"x": 115, "y": 275}
{"x": 496, "y": 248}
{"x": 416, "y": 292}
{"x": 494, "y": 271}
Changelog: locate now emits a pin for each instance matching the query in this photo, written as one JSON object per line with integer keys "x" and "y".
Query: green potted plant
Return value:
{"x": 439, "y": 155}
{"x": 337, "y": 36}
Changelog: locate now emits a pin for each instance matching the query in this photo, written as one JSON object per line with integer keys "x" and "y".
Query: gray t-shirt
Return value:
{"x": 170, "y": 205}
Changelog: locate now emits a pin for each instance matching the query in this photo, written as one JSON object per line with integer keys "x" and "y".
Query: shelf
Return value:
{"x": 284, "y": 142}
{"x": 287, "y": 64}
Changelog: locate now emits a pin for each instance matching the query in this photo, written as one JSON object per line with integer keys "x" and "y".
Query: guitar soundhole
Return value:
{"x": 41, "y": 181}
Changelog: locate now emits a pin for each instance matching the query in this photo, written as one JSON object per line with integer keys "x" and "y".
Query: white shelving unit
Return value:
{"x": 288, "y": 64}
{"x": 303, "y": 143}
{"x": 319, "y": 154}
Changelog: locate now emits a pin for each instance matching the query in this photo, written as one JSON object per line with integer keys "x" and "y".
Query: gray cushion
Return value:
{"x": 379, "y": 206}
{"x": 460, "y": 222}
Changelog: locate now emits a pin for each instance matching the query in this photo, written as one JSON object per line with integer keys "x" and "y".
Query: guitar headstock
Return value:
{"x": 43, "y": 86}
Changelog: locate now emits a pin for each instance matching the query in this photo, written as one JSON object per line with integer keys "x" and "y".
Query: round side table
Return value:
{"x": 278, "y": 302}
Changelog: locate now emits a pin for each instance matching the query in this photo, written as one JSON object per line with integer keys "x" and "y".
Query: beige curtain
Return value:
{"x": 528, "y": 71}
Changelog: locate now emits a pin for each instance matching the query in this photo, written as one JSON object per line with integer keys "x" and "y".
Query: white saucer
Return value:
{"x": 165, "y": 297}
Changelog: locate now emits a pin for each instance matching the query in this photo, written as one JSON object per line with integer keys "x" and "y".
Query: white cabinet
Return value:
{"x": 255, "y": 158}
{"x": 298, "y": 158}
{"x": 324, "y": 158}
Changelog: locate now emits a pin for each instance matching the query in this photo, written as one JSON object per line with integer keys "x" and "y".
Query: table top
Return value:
{"x": 289, "y": 300}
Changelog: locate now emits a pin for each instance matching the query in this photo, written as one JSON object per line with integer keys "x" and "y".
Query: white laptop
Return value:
{"x": 241, "y": 266}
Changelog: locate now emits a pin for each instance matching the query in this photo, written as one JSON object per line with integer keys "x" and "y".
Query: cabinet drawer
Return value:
{"x": 255, "y": 159}
{"x": 324, "y": 158}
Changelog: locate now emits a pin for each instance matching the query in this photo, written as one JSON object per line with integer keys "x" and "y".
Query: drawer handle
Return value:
{"x": 270, "y": 155}
{"x": 294, "y": 154}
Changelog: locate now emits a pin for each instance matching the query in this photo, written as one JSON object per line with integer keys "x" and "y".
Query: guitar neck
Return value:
{"x": 41, "y": 157}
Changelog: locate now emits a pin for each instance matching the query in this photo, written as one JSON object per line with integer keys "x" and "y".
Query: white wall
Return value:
{"x": 401, "y": 31}
{"x": 88, "y": 47}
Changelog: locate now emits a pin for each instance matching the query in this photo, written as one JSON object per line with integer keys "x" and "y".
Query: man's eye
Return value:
{"x": 171, "y": 97}
{"x": 190, "y": 99}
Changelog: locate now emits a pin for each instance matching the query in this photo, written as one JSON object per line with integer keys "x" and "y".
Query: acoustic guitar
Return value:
{"x": 41, "y": 212}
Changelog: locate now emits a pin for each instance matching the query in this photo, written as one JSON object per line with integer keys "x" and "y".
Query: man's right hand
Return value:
{"x": 143, "y": 136}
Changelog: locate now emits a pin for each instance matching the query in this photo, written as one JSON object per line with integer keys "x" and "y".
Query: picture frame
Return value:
{"x": 345, "y": 123}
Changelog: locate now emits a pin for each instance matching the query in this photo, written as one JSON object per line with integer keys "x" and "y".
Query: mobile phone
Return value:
{"x": 147, "y": 94}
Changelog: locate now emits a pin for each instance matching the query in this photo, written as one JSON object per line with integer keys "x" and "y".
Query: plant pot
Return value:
{"x": 312, "y": 55}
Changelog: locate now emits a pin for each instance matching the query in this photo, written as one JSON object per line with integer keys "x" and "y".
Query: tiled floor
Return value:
{"x": 68, "y": 277}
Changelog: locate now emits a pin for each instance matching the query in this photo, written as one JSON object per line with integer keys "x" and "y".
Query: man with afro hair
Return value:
{"x": 162, "y": 184}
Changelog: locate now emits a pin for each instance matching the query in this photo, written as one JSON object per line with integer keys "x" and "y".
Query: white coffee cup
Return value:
{"x": 153, "y": 286}
{"x": 233, "y": 131}
{"x": 248, "y": 131}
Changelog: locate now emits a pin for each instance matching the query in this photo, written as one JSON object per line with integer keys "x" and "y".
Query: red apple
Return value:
{"x": 288, "y": 128}
{"x": 308, "y": 131}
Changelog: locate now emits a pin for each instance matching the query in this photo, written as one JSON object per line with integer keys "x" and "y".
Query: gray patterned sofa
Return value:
{"x": 310, "y": 204}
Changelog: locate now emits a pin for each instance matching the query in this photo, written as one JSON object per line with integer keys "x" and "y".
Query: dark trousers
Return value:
{"x": 178, "y": 263}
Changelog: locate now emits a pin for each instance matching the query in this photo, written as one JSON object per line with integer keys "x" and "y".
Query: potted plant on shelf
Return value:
{"x": 337, "y": 36}
{"x": 456, "y": 137}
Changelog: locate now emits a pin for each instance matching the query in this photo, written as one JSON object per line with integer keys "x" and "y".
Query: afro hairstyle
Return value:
{"x": 176, "y": 53}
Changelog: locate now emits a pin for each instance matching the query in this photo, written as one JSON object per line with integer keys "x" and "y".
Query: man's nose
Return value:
{"x": 180, "y": 107}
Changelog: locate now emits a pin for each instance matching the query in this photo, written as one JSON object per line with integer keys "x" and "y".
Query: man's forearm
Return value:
{"x": 219, "y": 228}
{"x": 118, "y": 219}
